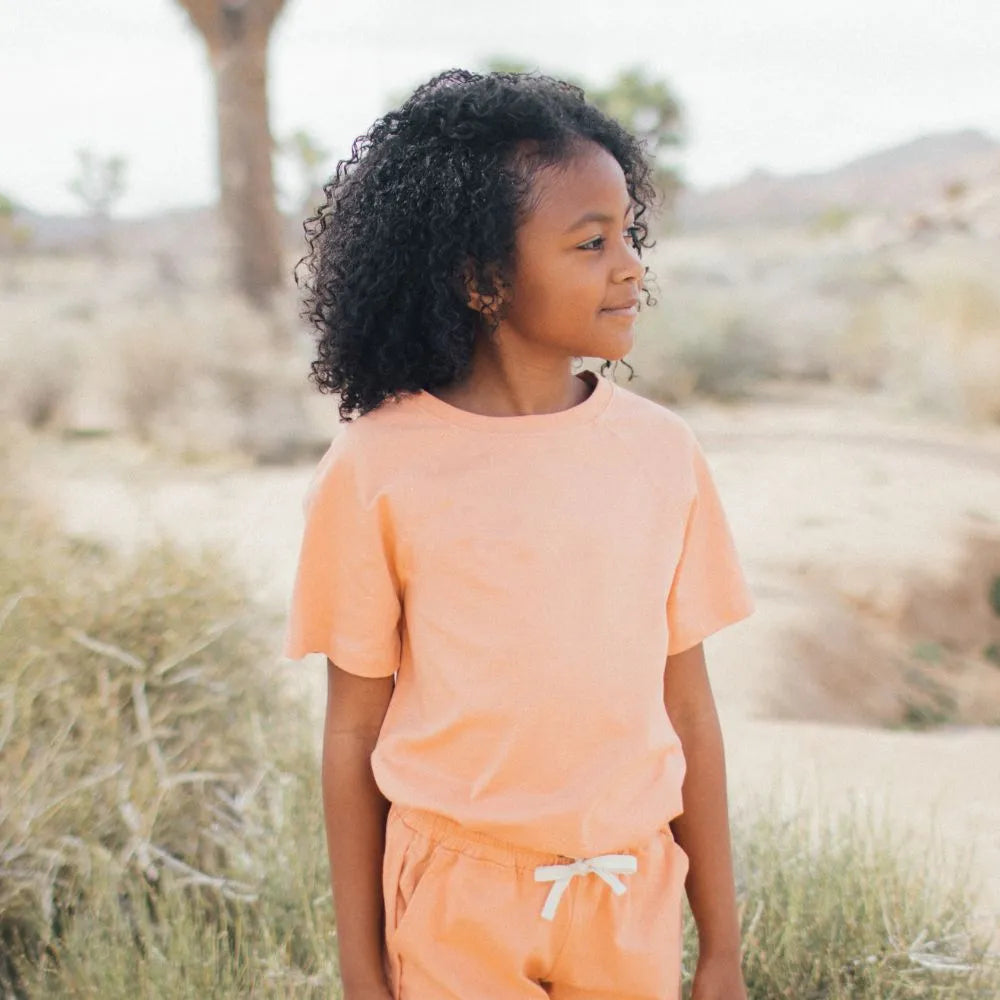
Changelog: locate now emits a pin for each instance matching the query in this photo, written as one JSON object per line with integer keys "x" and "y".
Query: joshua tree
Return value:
{"x": 99, "y": 183}
{"x": 15, "y": 238}
{"x": 644, "y": 104}
{"x": 648, "y": 107}
{"x": 308, "y": 156}
{"x": 236, "y": 33}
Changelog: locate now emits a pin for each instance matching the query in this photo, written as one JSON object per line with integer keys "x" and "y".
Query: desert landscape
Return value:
{"x": 865, "y": 533}
{"x": 841, "y": 369}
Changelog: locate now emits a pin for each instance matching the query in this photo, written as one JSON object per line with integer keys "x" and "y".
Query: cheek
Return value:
{"x": 551, "y": 287}
{"x": 572, "y": 280}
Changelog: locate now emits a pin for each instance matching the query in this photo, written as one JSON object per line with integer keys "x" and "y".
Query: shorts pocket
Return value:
{"x": 410, "y": 858}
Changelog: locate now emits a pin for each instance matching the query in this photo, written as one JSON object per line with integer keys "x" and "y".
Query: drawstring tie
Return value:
{"x": 604, "y": 865}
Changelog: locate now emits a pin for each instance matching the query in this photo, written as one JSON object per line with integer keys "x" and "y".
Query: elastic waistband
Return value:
{"x": 450, "y": 833}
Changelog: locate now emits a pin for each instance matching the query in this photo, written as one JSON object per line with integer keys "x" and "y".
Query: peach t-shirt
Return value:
{"x": 526, "y": 578}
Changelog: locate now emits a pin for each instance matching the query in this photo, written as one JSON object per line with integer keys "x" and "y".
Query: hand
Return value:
{"x": 718, "y": 978}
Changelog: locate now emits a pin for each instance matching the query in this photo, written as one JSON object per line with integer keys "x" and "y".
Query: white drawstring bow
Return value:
{"x": 604, "y": 865}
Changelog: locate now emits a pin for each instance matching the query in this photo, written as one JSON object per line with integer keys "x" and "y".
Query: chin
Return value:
{"x": 615, "y": 352}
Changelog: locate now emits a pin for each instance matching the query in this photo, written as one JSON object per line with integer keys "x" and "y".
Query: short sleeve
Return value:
{"x": 709, "y": 590}
{"x": 346, "y": 596}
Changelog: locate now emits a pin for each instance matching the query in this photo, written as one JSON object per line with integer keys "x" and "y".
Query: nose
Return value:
{"x": 631, "y": 267}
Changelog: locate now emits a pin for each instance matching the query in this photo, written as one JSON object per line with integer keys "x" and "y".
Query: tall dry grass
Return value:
{"x": 848, "y": 907}
{"x": 159, "y": 821}
{"x": 934, "y": 345}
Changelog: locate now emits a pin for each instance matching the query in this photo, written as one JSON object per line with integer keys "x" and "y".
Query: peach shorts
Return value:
{"x": 470, "y": 917}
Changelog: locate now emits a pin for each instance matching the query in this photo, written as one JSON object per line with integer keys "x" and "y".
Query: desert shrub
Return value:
{"x": 194, "y": 375}
{"x": 959, "y": 322}
{"x": 36, "y": 372}
{"x": 866, "y": 351}
{"x": 155, "y": 801}
{"x": 701, "y": 345}
{"x": 844, "y": 907}
{"x": 934, "y": 344}
{"x": 832, "y": 219}
{"x": 209, "y": 378}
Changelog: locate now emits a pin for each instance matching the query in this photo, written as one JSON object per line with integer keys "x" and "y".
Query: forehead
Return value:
{"x": 592, "y": 180}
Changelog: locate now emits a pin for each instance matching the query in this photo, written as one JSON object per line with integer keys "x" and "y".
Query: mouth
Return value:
{"x": 629, "y": 308}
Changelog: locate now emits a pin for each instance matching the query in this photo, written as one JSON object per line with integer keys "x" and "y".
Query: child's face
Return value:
{"x": 569, "y": 272}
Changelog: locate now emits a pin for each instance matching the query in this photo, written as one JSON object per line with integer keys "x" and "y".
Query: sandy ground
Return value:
{"x": 857, "y": 523}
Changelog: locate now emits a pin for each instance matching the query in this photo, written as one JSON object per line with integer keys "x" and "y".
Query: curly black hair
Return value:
{"x": 431, "y": 197}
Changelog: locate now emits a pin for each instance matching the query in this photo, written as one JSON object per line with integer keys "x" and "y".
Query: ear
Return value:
{"x": 475, "y": 299}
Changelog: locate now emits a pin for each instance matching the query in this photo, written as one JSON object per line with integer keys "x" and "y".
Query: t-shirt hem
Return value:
{"x": 731, "y": 617}
{"x": 361, "y": 668}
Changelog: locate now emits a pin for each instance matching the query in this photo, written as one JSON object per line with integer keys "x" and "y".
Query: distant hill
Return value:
{"x": 894, "y": 181}
{"x": 180, "y": 231}
{"x": 171, "y": 231}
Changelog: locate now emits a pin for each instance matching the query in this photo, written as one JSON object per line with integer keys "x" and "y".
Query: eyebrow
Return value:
{"x": 594, "y": 217}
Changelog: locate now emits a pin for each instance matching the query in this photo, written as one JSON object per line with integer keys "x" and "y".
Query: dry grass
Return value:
{"x": 196, "y": 373}
{"x": 692, "y": 344}
{"x": 934, "y": 344}
{"x": 149, "y": 768}
{"x": 847, "y": 909}
{"x": 919, "y": 323}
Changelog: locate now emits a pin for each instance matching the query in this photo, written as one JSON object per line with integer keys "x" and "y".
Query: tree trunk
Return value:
{"x": 236, "y": 33}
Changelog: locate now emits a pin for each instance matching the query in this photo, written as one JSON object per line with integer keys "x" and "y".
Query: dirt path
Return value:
{"x": 840, "y": 506}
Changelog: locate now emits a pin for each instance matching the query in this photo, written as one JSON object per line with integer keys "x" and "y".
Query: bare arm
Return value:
{"x": 355, "y": 814}
{"x": 702, "y": 830}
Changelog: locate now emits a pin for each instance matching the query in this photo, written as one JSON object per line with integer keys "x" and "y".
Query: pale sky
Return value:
{"x": 781, "y": 85}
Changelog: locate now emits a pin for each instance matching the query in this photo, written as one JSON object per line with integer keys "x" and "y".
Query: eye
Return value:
{"x": 634, "y": 234}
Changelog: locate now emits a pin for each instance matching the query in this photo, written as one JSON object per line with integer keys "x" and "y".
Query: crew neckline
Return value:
{"x": 581, "y": 413}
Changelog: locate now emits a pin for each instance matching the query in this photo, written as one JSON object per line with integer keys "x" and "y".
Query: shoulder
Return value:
{"x": 660, "y": 443}
{"x": 367, "y": 448}
{"x": 650, "y": 424}
{"x": 392, "y": 414}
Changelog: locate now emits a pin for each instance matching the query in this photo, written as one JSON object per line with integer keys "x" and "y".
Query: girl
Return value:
{"x": 510, "y": 569}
